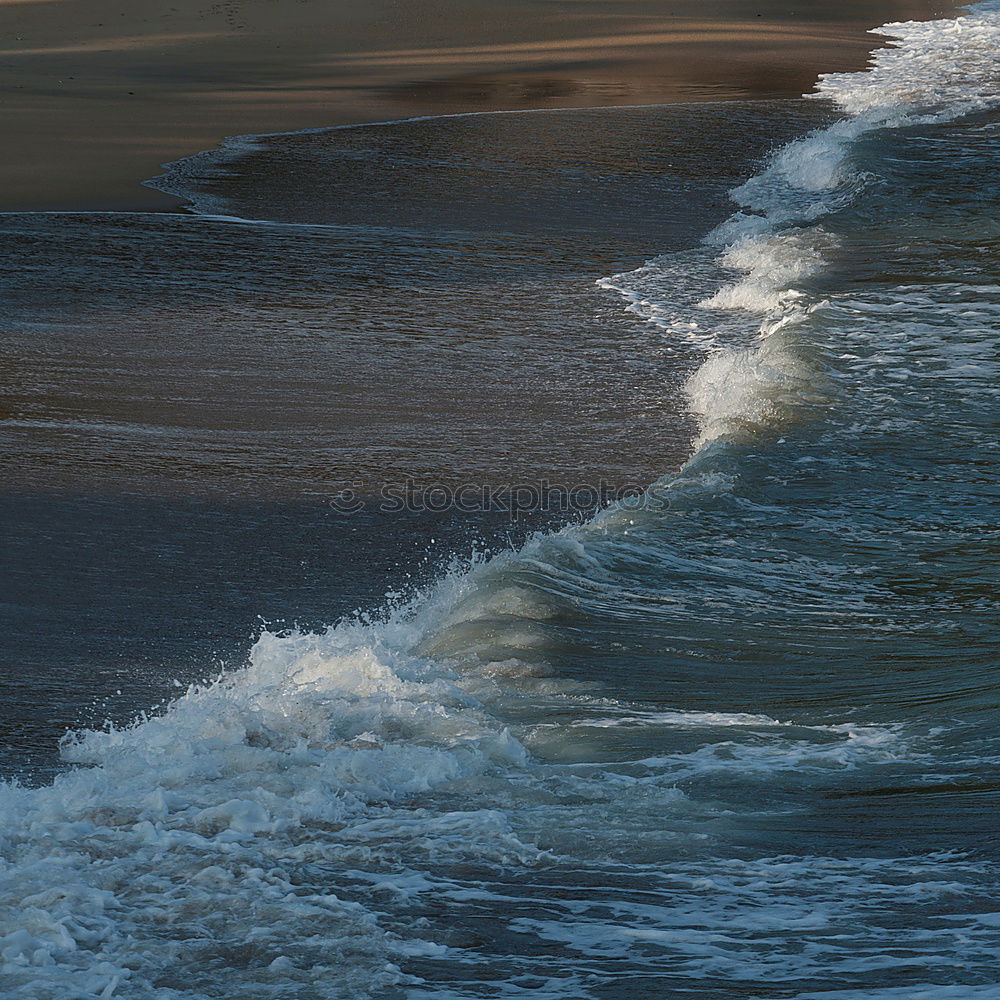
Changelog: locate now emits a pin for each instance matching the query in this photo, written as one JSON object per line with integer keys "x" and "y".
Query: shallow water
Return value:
{"x": 186, "y": 397}
{"x": 736, "y": 737}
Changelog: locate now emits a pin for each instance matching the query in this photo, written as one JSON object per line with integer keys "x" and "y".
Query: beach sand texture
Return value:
{"x": 97, "y": 94}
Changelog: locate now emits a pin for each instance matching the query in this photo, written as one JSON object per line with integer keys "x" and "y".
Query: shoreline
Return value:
{"x": 181, "y": 204}
{"x": 570, "y": 230}
{"x": 91, "y": 115}
{"x": 228, "y": 150}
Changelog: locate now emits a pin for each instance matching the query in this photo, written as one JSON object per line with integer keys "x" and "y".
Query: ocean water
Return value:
{"x": 184, "y": 396}
{"x": 735, "y": 735}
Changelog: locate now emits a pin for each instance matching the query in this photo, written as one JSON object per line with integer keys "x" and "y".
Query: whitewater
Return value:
{"x": 735, "y": 738}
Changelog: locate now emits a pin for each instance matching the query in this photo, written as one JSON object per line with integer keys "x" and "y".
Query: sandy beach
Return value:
{"x": 96, "y": 97}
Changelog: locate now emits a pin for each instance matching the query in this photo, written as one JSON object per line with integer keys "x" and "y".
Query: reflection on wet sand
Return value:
{"x": 79, "y": 89}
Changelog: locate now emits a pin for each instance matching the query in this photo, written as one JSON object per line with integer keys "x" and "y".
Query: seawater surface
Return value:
{"x": 736, "y": 739}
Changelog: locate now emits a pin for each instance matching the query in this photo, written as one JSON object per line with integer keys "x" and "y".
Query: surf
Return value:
{"x": 599, "y": 743}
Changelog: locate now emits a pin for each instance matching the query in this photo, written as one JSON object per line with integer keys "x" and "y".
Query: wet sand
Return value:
{"x": 95, "y": 99}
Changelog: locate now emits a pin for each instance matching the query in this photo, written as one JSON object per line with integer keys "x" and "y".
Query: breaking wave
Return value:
{"x": 603, "y": 748}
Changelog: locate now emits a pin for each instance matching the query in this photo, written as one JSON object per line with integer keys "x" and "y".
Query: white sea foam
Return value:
{"x": 810, "y": 903}
{"x": 182, "y": 842}
{"x": 945, "y": 67}
{"x": 198, "y": 852}
{"x": 932, "y": 71}
{"x": 775, "y": 264}
{"x": 136, "y": 874}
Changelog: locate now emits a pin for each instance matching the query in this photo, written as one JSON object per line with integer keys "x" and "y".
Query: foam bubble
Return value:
{"x": 934, "y": 70}
{"x": 775, "y": 264}
{"x": 943, "y": 68}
